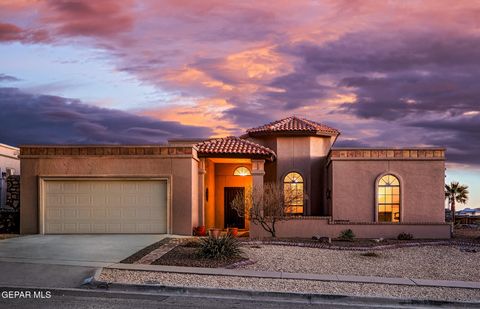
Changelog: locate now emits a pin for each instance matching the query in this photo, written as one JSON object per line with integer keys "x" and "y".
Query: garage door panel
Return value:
{"x": 85, "y": 214}
{"x": 105, "y": 206}
{"x": 54, "y": 213}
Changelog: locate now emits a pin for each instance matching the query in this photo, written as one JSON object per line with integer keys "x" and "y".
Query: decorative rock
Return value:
{"x": 13, "y": 192}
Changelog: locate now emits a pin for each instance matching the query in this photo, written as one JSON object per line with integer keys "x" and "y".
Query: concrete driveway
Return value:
{"x": 79, "y": 250}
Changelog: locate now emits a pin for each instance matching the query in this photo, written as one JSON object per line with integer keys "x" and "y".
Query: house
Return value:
{"x": 468, "y": 216}
{"x": 9, "y": 165}
{"x": 468, "y": 212}
{"x": 376, "y": 192}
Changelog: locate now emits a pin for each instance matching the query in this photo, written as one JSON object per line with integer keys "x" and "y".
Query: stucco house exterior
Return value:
{"x": 9, "y": 165}
{"x": 175, "y": 187}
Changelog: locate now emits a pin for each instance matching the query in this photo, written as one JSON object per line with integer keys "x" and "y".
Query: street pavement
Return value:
{"x": 72, "y": 299}
{"x": 43, "y": 275}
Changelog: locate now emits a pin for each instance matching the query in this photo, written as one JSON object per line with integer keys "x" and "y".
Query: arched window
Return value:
{"x": 293, "y": 193}
{"x": 241, "y": 171}
{"x": 388, "y": 199}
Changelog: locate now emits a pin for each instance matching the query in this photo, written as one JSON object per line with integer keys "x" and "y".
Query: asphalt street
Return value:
{"x": 43, "y": 275}
{"x": 95, "y": 299}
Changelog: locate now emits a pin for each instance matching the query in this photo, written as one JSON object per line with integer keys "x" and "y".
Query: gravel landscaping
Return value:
{"x": 429, "y": 262}
{"x": 285, "y": 285}
{"x": 455, "y": 261}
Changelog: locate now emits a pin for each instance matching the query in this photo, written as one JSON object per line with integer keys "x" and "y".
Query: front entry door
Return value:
{"x": 232, "y": 219}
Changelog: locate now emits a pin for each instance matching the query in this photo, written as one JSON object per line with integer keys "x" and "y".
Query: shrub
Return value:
{"x": 405, "y": 236}
{"x": 219, "y": 248}
{"x": 347, "y": 235}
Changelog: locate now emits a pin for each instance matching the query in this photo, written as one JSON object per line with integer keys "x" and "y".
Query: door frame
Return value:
{"x": 43, "y": 179}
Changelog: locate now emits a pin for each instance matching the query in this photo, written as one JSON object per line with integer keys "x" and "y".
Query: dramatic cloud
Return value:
{"x": 12, "y": 33}
{"x": 461, "y": 134}
{"x": 90, "y": 18}
{"x": 385, "y": 73}
{"x": 38, "y": 119}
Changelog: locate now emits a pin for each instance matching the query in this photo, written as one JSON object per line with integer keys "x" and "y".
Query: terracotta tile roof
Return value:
{"x": 232, "y": 145}
{"x": 293, "y": 125}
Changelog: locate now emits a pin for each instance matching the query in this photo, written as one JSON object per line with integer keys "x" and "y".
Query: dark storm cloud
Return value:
{"x": 392, "y": 75}
{"x": 37, "y": 119}
{"x": 249, "y": 118}
{"x": 415, "y": 88}
{"x": 297, "y": 89}
{"x": 397, "y": 75}
{"x": 350, "y": 143}
{"x": 461, "y": 136}
{"x": 396, "y": 96}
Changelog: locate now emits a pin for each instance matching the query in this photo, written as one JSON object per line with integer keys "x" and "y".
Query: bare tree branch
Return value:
{"x": 266, "y": 205}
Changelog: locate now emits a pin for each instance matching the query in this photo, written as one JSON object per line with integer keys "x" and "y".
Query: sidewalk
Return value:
{"x": 298, "y": 276}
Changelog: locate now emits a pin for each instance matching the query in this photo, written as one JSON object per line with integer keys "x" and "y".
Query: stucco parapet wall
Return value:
{"x": 167, "y": 151}
{"x": 387, "y": 154}
{"x": 310, "y": 218}
{"x": 386, "y": 223}
{"x": 346, "y": 222}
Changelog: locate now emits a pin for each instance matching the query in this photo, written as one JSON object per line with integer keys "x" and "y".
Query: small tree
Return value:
{"x": 455, "y": 193}
{"x": 266, "y": 205}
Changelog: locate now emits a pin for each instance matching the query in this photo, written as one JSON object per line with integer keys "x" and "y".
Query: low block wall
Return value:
{"x": 13, "y": 192}
{"x": 10, "y": 216}
{"x": 306, "y": 227}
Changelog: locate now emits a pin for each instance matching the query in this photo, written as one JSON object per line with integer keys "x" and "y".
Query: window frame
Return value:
{"x": 239, "y": 167}
{"x": 303, "y": 193}
{"x": 400, "y": 203}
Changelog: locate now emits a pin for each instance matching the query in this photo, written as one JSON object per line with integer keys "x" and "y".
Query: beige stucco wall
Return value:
{"x": 422, "y": 185}
{"x": 308, "y": 227}
{"x": 306, "y": 155}
{"x": 210, "y": 185}
{"x": 178, "y": 164}
{"x": 224, "y": 178}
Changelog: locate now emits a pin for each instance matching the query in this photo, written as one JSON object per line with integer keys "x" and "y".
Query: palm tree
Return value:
{"x": 455, "y": 193}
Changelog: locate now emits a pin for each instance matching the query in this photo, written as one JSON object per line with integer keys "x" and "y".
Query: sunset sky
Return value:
{"x": 385, "y": 73}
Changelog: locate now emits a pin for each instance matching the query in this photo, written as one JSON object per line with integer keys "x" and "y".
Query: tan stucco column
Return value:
{"x": 201, "y": 191}
{"x": 258, "y": 172}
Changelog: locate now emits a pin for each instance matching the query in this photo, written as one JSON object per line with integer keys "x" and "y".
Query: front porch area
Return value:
{"x": 228, "y": 167}
{"x": 221, "y": 180}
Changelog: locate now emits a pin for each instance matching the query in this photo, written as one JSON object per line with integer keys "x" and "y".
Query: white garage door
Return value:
{"x": 105, "y": 206}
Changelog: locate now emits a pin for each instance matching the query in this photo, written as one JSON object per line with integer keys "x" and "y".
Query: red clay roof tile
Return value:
{"x": 293, "y": 125}
{"x": 232, "y": 145}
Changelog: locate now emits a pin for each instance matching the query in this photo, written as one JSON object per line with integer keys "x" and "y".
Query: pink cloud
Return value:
{"x": 234, "y": 64}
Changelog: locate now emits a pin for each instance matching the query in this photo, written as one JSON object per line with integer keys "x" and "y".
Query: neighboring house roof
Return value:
{"x": 469, "y": 211}
{"x": 293, "y": 125}
{"x": 234, "y": 146}
{"x": 9, "y": 151}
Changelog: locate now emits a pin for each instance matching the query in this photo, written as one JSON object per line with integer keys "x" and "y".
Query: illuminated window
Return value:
{"x": 293, "y": 193}
{"x": 241, "y": 171}
{"x": 388, "y": 199}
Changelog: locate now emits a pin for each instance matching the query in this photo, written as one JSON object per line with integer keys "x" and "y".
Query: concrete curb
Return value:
{"x": 298, "y": 276}
{"x": 299, "y": 298}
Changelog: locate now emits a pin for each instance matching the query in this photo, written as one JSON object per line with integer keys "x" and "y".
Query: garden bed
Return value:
{"x": 186, "y": 255}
